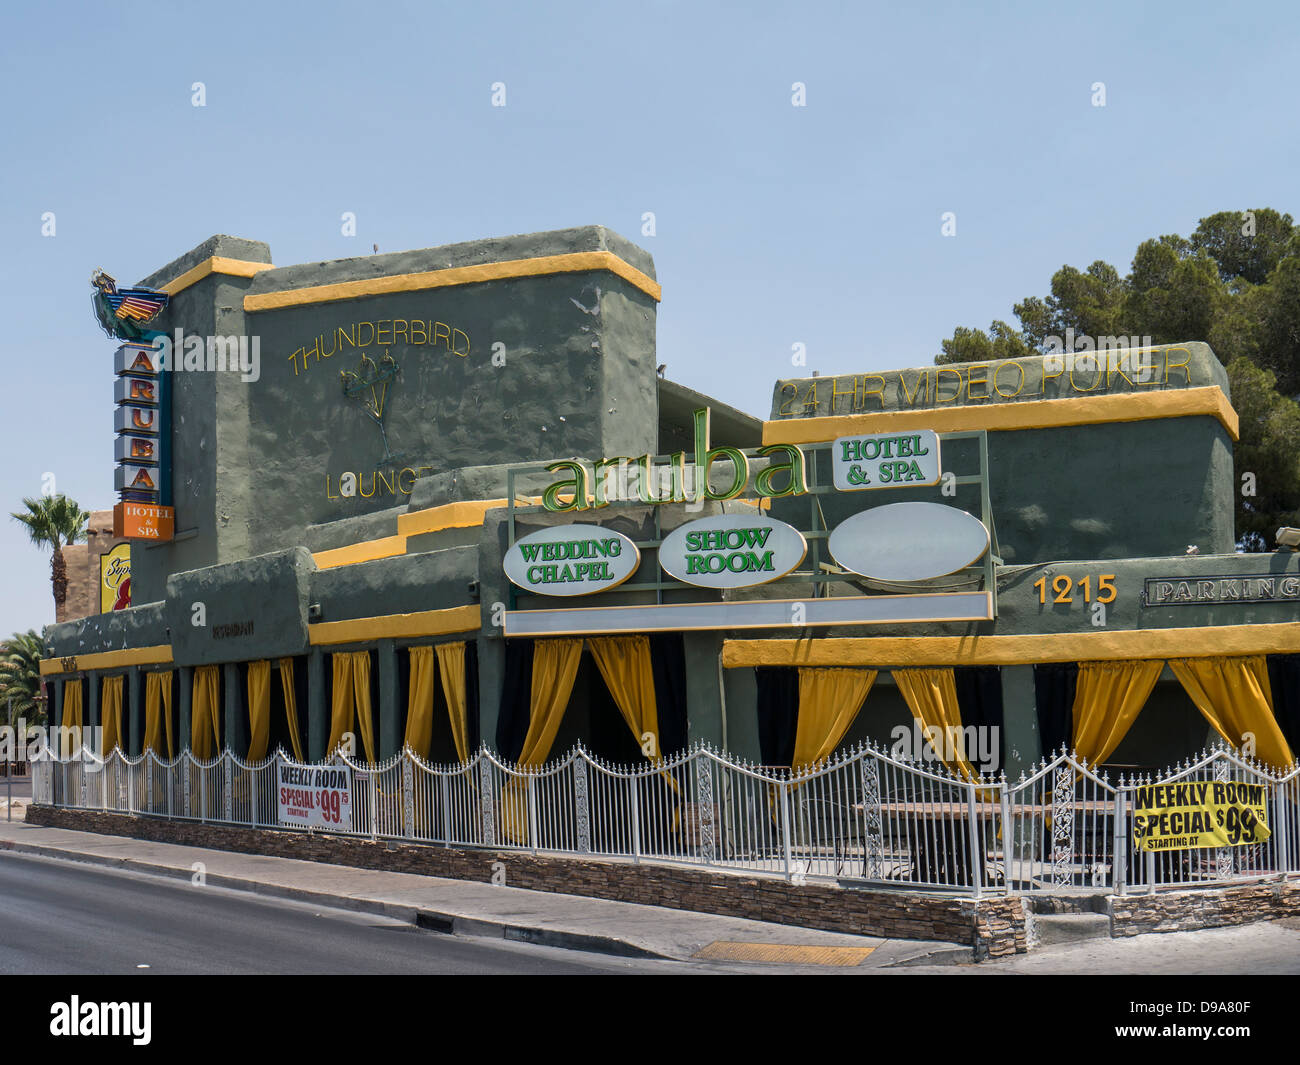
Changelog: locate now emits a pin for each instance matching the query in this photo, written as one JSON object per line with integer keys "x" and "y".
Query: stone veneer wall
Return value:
{"x": 993, "y": 927}
{"x": 1183, "y": 911}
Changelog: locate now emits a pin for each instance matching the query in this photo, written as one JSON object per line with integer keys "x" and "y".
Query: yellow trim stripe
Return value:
{"x": 999, "y": 417}
{"x": 459, "y": 515}
{"x": 366, "y": 551}
{"x": 131, "y": 656}
{"x": 217, "y": 264}
{"x": 395, "y": 626}
{"x": 886, "y": 651}
{"x": 573, "y": 262}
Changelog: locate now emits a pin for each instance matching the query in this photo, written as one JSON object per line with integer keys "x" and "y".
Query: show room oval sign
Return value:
{"x": 732, "y": 551}
{"x": 571, "y": 560}
{"x": 909, "y": 541}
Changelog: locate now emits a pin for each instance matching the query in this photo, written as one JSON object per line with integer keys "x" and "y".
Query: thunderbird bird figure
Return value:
{"x": 368, "y": 384}
{"x": 122, "y": 313}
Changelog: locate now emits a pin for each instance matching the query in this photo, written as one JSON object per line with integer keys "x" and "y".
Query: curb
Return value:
{"x": 440, "y": 921}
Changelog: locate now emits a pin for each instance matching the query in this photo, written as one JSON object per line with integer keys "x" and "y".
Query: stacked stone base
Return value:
{"x": 992, "y": 927}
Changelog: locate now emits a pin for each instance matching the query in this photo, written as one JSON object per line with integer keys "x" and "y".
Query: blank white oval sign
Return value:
{"x": 571, "y": 560}
{"x": 909, "y": 541}
{"x": 732, "y": 551}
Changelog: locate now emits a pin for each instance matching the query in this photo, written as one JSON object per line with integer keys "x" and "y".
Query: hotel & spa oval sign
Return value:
{"x": 571, "y": 560}
{"x": 909, "y": 541}
{"x": 732, "y": 551}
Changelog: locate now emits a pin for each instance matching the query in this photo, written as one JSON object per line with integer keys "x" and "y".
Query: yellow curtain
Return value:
{"x": 419, "y": 701}
{"x": 259, "y": 709}
{"x": 555, "y": 666}
{"x": 829, "y": 700}
{"x": 110, "y": 713}
{"x": 351, "y": 701}
{"x": 205, "y": 709}
{"x": 624, "y": 662}
{"x": 361, "y": 690}
{"x": 152, "y": 708}
{"x": 1107, "y": 700}
{"x": 342, "y": 710}
{"x": 1236, "y": 698}
{"x": 158, "y": 712}
{"x": 72, "y": 702}
{"x": 451, "y": 668}
{"x": 931, "y": 695}
{"x": 166, "y": 683}
{"x": 290, "y": 707}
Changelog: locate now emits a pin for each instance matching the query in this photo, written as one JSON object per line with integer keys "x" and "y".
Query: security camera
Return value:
{"x": 1288, "y": 537}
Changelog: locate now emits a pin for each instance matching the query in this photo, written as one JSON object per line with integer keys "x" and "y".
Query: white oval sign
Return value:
{"x": 571, "y": 560}
{"x": 732, "y": 551}
{"x": 909, "y": 541}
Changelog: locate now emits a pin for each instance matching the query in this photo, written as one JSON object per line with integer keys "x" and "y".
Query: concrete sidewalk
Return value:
{"x": 462, "y": 907}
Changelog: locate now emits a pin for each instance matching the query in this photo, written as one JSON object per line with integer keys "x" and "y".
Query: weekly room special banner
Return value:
{"x": 1219, "y": 813}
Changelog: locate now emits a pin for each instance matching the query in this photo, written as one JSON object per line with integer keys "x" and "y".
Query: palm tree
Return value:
{"x": 55, "y": 521}
{"x": 20, "y": 676}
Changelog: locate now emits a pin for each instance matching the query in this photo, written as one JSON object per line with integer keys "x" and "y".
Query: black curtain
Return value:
{"x": 516, "y": 699}
{"x": 1284, "y": 679}
{"x": 473, "y": 724}
{"x": 668, "y": 664}
{"x": 979, "y": 698}
{"x": 778, "y": 713}
{"x": 1054, "y": 685}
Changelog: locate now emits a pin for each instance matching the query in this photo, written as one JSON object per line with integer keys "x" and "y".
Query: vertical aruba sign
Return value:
{"x": 142, "y": 478}
{"x": 142, "y": 407}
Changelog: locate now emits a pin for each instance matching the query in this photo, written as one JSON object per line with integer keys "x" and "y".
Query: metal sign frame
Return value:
{"x": 818, "y": 568}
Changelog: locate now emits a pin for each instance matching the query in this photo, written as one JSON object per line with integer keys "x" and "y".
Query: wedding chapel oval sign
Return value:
{"x": 732, "y": 551}
{"x": 909, "y": 541}
{"x": 571, "y": 560}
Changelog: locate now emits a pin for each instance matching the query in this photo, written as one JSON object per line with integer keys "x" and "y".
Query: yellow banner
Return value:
{"x": 1218, "y": 813}
{"x": 115, "y": 579}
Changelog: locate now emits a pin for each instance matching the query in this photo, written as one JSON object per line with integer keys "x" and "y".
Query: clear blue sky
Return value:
{"x": 775, "y": 224}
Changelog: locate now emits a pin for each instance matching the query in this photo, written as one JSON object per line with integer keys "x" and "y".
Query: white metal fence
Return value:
{"x": 864, "y": 815}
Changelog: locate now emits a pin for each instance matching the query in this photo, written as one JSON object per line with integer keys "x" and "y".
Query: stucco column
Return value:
{"x": 185, "y": 710}
{"x": 92, "y": 703}
{"x": 236, "y": 721}
{"x": 317, "y": 719}
{"x": 134, "y": 710}
{"x": 390, "y": 717}
{"x": 491, "y": 666}
{"x": 1022, "y": 741}
{"x": 704, "y": 696}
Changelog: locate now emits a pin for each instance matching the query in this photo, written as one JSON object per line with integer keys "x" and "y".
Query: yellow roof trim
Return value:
{"x": 217, "y": 264}
{"x": 1001, "y": 417}
{"x": 458, "y": 515}
{"x": 885, "y": 651}
{"x": 365, "y": 551}
{"x": 160, "y": 654}
{"x": 572, "y": 262}
{"x": 396, "y": 626}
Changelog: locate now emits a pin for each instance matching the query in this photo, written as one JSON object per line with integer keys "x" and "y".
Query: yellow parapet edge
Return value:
{"x": 395, "y": 626}
{"x": 131, "y": 656}
{"x": 216, "y": 264}
{"x": 365, "y": 551}
{"x": 1001, "y": 417}
{"x": 572, "y": 262}
{"x": 904, "y": 651}
{"x": 462, "y": 514}
{"x": 459, "y": 515}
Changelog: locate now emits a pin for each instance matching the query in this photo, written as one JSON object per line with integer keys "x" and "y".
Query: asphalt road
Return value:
{"x": 65, "y": 918}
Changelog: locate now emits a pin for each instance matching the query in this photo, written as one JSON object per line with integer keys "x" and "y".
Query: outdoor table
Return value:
{"x": 944, "y": 857}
